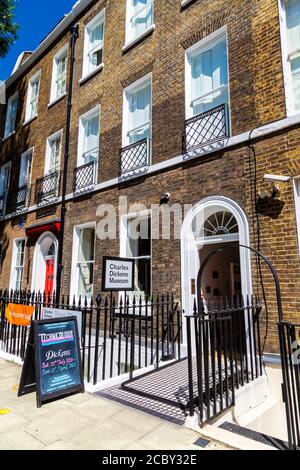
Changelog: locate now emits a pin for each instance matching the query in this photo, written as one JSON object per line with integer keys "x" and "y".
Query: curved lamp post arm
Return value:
{"x": 266, "y": 260}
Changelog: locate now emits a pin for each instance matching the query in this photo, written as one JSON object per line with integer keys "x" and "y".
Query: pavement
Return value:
{"x": 83, "y": 422}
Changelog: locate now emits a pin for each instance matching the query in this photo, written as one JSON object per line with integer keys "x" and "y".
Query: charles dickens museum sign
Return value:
{"x": 118, "y": 274}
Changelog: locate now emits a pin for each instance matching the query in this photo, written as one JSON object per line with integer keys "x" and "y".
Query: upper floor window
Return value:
{"x": 206, "y": 75}
{"x": 290, "y": 19}
{"x": 25, "y": 168}
{"x": 137, "y": 118}
{"x": 11, "y": 115}
{"x": 139, "y": 18}
{"x": 88, "y": 143}
{"x": 59, "y": 75}
{"x": 93, "y": 44}
{"x": 53, "y": 153}
{"x": 4, "y": 184}
{"x": 33, "y": 97}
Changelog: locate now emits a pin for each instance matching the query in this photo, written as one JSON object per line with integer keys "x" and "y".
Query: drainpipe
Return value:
{"x": 60, "y": 265}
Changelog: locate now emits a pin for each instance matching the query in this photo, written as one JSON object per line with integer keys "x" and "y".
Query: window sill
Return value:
{"x": 29, "y": 121}
{"x": 6, "y": 137}
{"x": 135, "y": 41}
{"x": 90, "y": 75}
{"x": 57, "y": 100}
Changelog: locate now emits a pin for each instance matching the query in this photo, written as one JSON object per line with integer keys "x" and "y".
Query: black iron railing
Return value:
{"x": 224, "y": 355}
{"x": 3, "y": 199}
{"x": 84, "y": 177}
{"x": 116, "y": 337}
{"x": 134, "y": 156}
{"x": 289, "y": 334}
{"x": 47, "y": 188}
{"x": 206, "y": 128}
{"x": 20, "y": 199}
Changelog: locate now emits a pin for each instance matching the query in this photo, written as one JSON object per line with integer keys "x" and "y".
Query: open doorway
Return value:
{"x": 222, "y": 275}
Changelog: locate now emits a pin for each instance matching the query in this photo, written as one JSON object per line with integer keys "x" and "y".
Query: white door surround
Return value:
{"x": 41, "y": 254}
{"x": 190, "y": 263}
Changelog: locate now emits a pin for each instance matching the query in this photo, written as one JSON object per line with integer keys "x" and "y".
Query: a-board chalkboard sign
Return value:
{"x": 56, "y": 367}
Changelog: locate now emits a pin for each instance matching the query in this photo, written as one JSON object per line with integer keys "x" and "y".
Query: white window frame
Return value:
{"x": 129, "y": 38}
{"x": 63, "y": 52}
{"x": 51, "y": 138}
{"x": 13, "y": 273}
{"x": 131, "y": 89}
{"x": 287, "y": 74}
{"x": 124, "y": 237}
{"x": 14, "y": 97}
{"x": 200, "y": 47}
{"x": 98, "y": 19}
{"x": 88, "y": 115}
{"x": 24, "y": 155}
{"x": 75, "y": 251}
{"x": 36, "y": 78}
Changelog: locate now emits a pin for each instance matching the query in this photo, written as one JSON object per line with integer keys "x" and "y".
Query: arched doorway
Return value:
{"x": 44, "y": 263}
{"x": 214, "y": 223}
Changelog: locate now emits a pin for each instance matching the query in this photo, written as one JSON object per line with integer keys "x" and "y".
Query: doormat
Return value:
{"x": 147, "y": 405}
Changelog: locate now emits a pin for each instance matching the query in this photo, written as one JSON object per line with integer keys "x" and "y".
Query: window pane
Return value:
{"x": 96, "y": 36}
{"x": 141, "y": 17}
{"x": 209, "y": 78}
{"x": 11, "y": 115}
{"x": 86, "y": 279}
{"x": 143, "y": 276}
{"x": 86, "y": 245}
{"x": 55, "y": 146}
{"x": 4, "y": 177}
{"x": 25, "y": 169}
{"x": 295, "y": 67}
{"x": 293, "y": 24}
{"x": 139, "y": 114}
{"x": 91, "y": 136}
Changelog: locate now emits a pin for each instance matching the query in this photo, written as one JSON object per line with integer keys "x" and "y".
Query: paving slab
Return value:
{"x": 19, "y": 440}
{"x": 98, "y": 409}
{"x": 169, "y": 437}
{"x": 11, "y": 421}
{"x": 107, "y": 435}
{"x": 59, "y": 425}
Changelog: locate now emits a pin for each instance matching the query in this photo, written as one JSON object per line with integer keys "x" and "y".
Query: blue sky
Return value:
{"x": 35, "y": 18}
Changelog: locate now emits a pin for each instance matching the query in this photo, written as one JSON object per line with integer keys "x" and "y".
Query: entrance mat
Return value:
{"x": 255, "y": 436}
{"x": 170, "y": 384}
{"x": 147, "y": 405}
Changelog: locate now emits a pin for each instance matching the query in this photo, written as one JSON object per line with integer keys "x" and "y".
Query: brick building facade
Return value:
{"x": 140, "y": 73}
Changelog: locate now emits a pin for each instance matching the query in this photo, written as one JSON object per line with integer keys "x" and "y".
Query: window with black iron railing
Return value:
{"x": 85, "y": 177}
{"x": 47, "y": 188}
{"x": 206, "y": 128}
{"x": 20, "y": 199}
{"x": 134, "y": 157}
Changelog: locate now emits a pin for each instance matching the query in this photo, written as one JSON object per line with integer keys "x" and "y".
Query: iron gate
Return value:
{"x": 224, "y": 353}
{"x": 289, "y": 335}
